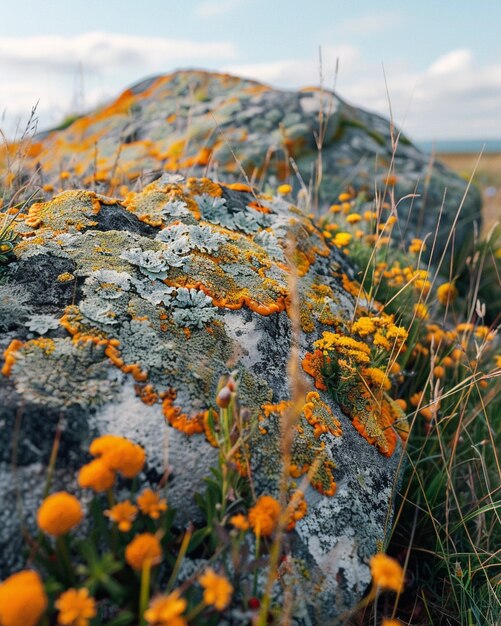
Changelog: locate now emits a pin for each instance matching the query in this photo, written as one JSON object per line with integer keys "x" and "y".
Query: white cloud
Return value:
{"x": 215, "y": 8}
{"x": 455, "y": 96}
{"x": 106, "y": 51}
{"x": 301, "y": 72}
{"x": 371, "y": 23}
{"x": 454, "y": 61}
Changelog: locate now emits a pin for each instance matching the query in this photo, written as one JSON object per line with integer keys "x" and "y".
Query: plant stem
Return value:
{"x": 144, "y": 596}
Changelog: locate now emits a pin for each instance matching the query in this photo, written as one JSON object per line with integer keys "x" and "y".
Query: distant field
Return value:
{"x": 487, "y": 177}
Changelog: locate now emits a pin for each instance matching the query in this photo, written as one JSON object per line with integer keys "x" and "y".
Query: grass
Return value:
{"x": 446, "y": 533}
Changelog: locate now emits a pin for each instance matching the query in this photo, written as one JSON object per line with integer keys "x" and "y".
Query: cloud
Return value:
{"x": 301, "y": 72}
{"x": 215, "y": 8}
{"x": 106, "y": 51}
{"x": 454, "y": 96}
{"x": 371, "y": 23}
{"x": 454, "y": 61}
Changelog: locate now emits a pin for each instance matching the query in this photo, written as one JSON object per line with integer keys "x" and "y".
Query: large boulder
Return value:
{"x": 122, "y": 317}
{"x": 201, "y": 123}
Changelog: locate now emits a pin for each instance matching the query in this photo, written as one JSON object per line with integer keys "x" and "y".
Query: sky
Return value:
{"x": 436, "y": 63}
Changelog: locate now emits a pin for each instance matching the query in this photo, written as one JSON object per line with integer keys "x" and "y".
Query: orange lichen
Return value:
{"x": 9, "y": 356}
{"x": 199, "y": 186}
{"x": 179, "y": 420}
{"x": 313, "y": 363}
{"x": 320, "y": 416}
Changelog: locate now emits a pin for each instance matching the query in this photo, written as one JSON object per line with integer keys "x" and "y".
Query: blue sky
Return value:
{"x": 442, "y": 60}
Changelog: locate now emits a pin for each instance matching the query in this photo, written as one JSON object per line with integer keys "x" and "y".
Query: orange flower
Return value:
{"x": 123, "y": 514}
{"x": 75, "y": 607}
{"x": 263, "y": 516}
{"x": 166, "y": 610}
{"x": 240, "y": 521}
{"x": 96, "y": 475}
{"x": 141, "y": 549}
{"x": 447, "y": 293}
{"x": 59, "y": 513}
{"x": 22, "y": 599}
{"x": 391, "y": 622}
{"x": 217, "y": 589}
{"x": 119, "y": 454}
{"x": 151, "y": 504}
{"x": 387, "y": 573}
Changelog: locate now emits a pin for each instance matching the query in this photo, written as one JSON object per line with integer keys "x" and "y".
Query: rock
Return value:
{"x": 122, "y": 317}
{"x": 202, "y": 123}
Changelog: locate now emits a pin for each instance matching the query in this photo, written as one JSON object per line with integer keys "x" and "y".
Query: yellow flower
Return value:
{"x": 284, "y": 189}
{"x": 391, "y": 622}
{"x": 421, "y": 311}
{"x": 75, "y": 607}
{"x": 119, "y": 454}
{"x": 22, "y": 599}
{"x": 447, "y": 293}
{"x": 240, "y": 521}
{"x": 497, "y": 360}
{"x": 141, "y": 549}
{"x": 364, "y": 326}
{"x": 217, "y": 589}
{"x": 166, "y": 610}
{"x": 263, "y": 516}
{"x": 416, "y": 246}
{"x": 344, "y": 197}
{"x": 59, "y": 513}
{"x": 123, "y": 514}
{"x": 96, "y": 475}
{"x": 353, "y": 218}
{"x": 377, "y": 377}
{"x": 387, "y": 573}
{"x": 335, "y": 208}
{"x": 150, "y": 503}
{"x": 342, "y": 239}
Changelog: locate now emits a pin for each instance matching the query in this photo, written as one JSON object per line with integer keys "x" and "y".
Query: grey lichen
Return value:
{"x": 60, "y": 373}
{"x": 150, "y": 262}
{"x": 192, "y": 308}
{"x": 42, "y": 324}
{"x": 14, "y": 305}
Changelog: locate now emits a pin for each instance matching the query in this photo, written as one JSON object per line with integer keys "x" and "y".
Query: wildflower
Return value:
{"x": 335, "y": 208}
{"x": 22, "y": 599}
{"x": 416, "y": 246}
{"x": 344, "y": 197}
{"x": 447, "y": 293}
{"x": 166, "y": 610}
{"x": 96, "y": 475}
{"x": 240, "y": 521}
{"x": 364, "y": 326}
{"x": 353, "y": 218}
{"x": 142, "y": 549}
{"x": 217, "y": 589}
{"x": 119, "y": 454}
{"x": 377, "y": 377}
{"x": 497, "y": 360}
{"x": 150, "y": 503}
{"x": 263, "y": 516}
{"x": 342, "y": 239}
{"x": 391, "y": 622}
{"x": 421, "y": 311}
{"x": 123, "y": 514}
{"x": 283, "y": 190}
{"x": 59, "y": 513}
{"x": 75, "y": 607}
{"x": 387, "y": 572}
{"x": 438, "y": 371}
